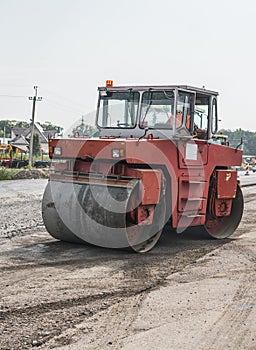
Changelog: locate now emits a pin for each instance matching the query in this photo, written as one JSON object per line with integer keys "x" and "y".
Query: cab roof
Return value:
{"x": 158, "y": 87}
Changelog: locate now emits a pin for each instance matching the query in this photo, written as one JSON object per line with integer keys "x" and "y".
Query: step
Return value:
{"x": 193, "y": 215}
{"x": 194, "y": 199}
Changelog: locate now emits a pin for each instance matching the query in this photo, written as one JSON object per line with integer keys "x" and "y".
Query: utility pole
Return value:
{"x": 4, "y": 135}
{"x": 34, "y": 99}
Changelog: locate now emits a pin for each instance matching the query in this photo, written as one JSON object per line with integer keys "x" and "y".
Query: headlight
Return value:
{"x": 115, "y": 153}
{"x": 118, "y": 152}
{"x": 57, "y": 151}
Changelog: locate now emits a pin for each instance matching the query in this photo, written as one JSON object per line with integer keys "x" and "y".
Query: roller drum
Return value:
{"x": 97, "y": 214}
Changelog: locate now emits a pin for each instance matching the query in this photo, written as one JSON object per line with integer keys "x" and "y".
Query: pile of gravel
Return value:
{"x": 31, "y": 174}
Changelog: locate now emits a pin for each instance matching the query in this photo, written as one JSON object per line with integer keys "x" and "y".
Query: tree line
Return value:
{"x": 6, "y": 127}
{"x": 248, "y": 137}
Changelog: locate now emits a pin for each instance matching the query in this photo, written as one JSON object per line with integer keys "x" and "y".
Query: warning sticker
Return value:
{"x": 191, "y": 151}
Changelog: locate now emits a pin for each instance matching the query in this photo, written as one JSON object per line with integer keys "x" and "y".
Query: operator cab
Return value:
{"x": 174, "y": 111}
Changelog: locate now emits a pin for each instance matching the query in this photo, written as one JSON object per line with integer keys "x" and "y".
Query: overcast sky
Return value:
{"x": 70, "y": 47}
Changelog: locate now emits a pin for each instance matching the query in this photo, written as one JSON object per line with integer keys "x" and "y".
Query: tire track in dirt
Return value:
{"x": 134, "y": 276}
{"x": 231, "y": 330}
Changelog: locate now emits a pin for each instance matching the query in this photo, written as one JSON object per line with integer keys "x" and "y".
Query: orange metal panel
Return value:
{"x": 86, "y": 148}
{"x": 226, "y": 183}
{"x": 151, "y": 184}
{"x": 192, "y": 153}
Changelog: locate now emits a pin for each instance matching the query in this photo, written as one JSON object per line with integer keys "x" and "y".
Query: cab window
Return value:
{"x": 156, "y": 109}
{"x": 118, "y": 109}
{"x": 201, "y": 113}
{"x": 184, "y": 112}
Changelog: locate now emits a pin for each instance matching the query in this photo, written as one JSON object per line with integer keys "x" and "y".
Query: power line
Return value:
{"x": 63, "y": 107}
{"x": 61, "y": 97}
{"x": 12, "y": 96}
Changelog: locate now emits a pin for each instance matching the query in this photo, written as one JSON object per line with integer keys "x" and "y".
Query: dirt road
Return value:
{"x": 187, "y": 293}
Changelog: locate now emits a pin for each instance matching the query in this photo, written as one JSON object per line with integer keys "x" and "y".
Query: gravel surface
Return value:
{"x": 20, "y": 206}
{"x": 187, "y": 293}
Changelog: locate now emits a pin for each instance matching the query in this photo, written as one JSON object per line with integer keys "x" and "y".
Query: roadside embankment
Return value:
{"x": 20, "y": 174}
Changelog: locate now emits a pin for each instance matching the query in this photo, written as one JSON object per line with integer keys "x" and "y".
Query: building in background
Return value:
{"x": 21, "y": 137}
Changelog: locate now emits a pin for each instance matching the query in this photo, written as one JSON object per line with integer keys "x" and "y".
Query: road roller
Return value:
{"x": 156, "y": 160}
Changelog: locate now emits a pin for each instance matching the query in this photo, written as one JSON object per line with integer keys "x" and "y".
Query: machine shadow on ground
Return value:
{"x": 54, "y": 253}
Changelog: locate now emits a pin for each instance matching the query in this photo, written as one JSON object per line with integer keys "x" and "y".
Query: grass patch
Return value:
{"x": 7, "y": 174}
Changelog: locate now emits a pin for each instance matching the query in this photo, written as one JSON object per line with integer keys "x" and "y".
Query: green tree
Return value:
{"x": 7, "y": 125}
{"x": 36, "y": 145}
{"x": 50, "y": 126}
{"x": 22, "y": 124}
{"x": 251, "y": 144}
{"x": 249, "y": 139}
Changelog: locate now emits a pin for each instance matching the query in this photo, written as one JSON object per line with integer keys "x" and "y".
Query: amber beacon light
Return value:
{"x": 109, "y": 83}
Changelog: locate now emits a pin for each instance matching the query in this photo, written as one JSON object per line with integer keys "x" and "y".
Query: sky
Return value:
{"x": 70, "y": 47}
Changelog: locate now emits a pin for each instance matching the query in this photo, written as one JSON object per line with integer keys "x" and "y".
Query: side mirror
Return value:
{"x": 240, "y": 144}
